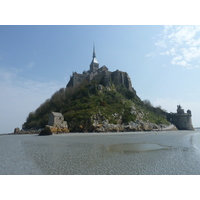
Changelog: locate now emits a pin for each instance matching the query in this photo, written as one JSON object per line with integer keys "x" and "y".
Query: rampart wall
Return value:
{"x": 182, "y": 121}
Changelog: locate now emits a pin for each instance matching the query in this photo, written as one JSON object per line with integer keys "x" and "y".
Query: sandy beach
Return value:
{"x": 138, "y": 153}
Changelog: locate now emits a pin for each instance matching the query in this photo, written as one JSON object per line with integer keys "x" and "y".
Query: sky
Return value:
{"x": 163, "y": 63}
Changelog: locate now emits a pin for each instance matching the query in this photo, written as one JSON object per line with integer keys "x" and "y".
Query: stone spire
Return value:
{"x": 94, "y": 59}
{"x": 94, "y": 66}
{"x": 94, "y": 54}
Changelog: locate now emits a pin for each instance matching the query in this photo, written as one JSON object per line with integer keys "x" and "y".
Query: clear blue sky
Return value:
{"x": 163, "y": 63}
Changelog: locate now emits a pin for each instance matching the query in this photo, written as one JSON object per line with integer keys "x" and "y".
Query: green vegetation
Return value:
{"x": 154, "y": 114}
{"x": 79, "y": 104}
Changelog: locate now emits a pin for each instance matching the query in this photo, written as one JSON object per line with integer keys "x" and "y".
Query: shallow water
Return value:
{"x": 138, "y": 147}
{"x": 173, "y": 152}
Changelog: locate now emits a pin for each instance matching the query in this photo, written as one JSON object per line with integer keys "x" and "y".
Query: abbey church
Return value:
{"x": 101, "y": 74}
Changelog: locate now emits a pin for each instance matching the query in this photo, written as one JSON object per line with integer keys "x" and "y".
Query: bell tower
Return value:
{"x": 94, "y": 66}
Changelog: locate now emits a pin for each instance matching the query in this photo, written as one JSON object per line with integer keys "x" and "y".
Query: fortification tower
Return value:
{"x": 181, "y": 119}
{"x": 180, "y": 110}
{"x": 94, "y": 66}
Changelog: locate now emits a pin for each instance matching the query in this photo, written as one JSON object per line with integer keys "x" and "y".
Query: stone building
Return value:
{"x": 56, "y": 125}
{"x": 181, "y": 119}
{"x": 119, "y": 77}
{"x": 56, "y": 119}
{"x": 77, "y": 78}
{"x": 95, "y": 73}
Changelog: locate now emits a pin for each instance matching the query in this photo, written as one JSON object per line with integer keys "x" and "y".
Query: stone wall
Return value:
{"x": 182, "y": 121}
{"x": 76, "y": 78}
{"x": 117, "y": 77}
{"x": 56, "y": 119}
{"x": 121, "y": 78}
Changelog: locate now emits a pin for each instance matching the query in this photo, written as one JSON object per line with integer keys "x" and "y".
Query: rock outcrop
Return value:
{"x": 99, "y": 123}
{"x": 105, "y": 126}
{"x": 16, "y": 130}
{"x": 50, "y": 130}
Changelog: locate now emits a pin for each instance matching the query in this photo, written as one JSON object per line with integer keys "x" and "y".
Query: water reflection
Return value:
{"x": 138, "y": 147}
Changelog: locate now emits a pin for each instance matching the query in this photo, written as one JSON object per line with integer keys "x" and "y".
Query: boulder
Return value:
{"x": 16, "y": 130}
{"x": 46, "y": 131}
{"x": 50, "y": 130}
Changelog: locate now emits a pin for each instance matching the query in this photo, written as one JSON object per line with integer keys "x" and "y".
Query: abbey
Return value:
{"x": 101, "y": 74}
{"x": 181, "y": 119}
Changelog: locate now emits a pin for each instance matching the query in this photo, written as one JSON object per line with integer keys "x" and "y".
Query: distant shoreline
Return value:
{"x": 6, "y": 134}
{"x": 22, "y": 133}
{"x": 171, "y": 127}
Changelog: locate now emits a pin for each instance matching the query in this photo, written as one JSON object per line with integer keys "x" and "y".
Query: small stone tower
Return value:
{"x": 94, "y": 66}
{"x": 180, "y": 110}
{"x": 181, "y": 119}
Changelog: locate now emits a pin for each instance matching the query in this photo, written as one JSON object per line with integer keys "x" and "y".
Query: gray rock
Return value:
{"x": 16, "y": 130}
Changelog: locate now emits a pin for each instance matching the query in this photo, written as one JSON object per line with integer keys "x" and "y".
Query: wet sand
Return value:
{"x": 166, "y": 152}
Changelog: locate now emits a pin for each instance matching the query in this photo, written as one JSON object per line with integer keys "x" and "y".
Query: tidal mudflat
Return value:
{"x": 166, "y": 152}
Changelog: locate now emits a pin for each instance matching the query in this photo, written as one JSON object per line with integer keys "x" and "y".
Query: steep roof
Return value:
{"x": 57, "y": 114}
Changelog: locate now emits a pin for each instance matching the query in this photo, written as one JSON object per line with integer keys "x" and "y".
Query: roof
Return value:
{"x": 94, "y": 60}
{"x": 57, "y": 114}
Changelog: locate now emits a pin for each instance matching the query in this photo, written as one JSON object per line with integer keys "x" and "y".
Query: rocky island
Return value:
{"x": 97, "y": 100}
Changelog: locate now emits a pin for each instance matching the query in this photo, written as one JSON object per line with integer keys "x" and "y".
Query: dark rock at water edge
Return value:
{"x": 50, "y": 130}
